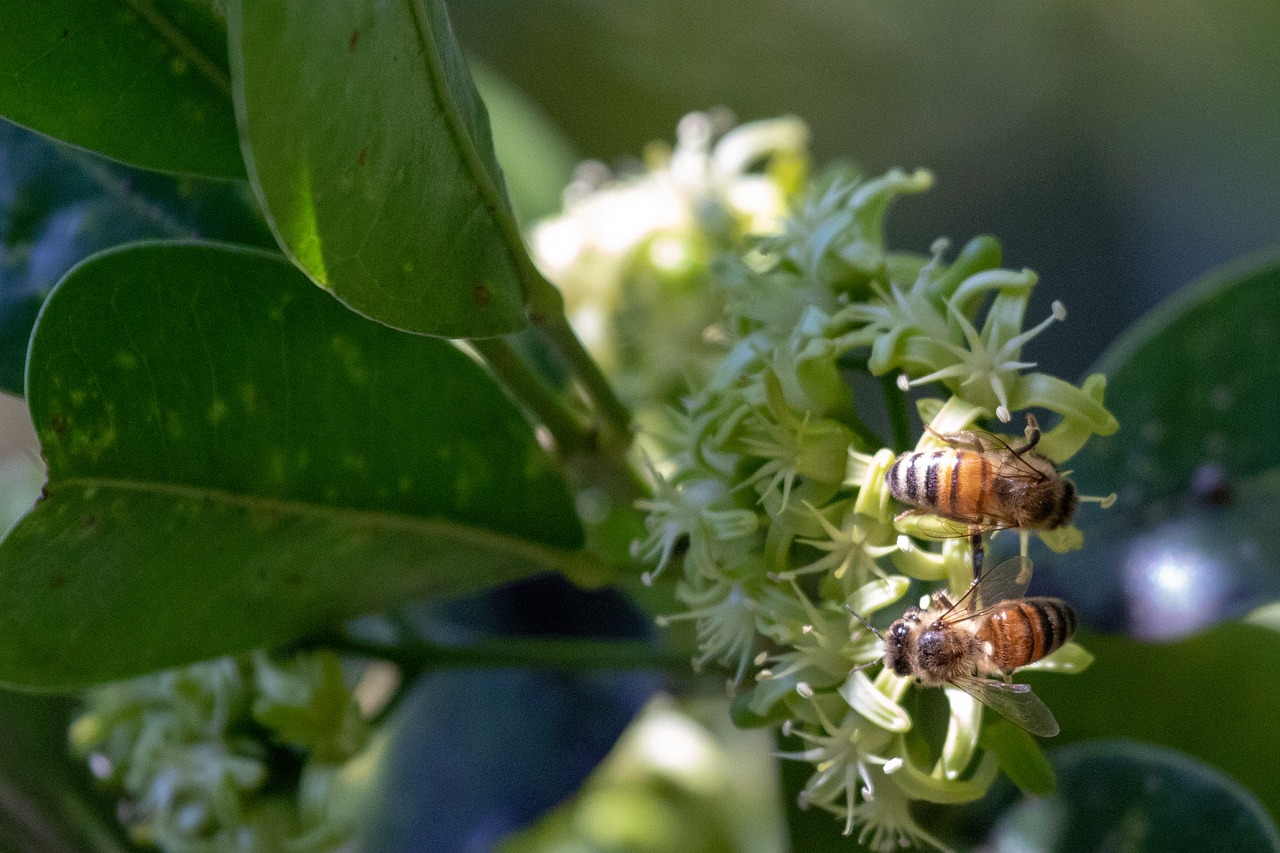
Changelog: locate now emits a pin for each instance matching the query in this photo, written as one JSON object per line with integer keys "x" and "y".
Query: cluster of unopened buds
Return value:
{"x": 794, "y": 526}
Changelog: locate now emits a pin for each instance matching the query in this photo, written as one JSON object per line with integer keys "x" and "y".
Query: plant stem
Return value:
{"x": 895, "y": 403}
{"x": 546, "y": 311}
{"x": 535, "y": 393}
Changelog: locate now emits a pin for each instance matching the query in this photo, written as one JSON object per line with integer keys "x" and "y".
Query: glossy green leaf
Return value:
{"x": 1192, "y": 383}
{"x": 371, "y": 153}
{"x": 59, "y": 204}
{"x": 142, "y": 81}
{"x": 1132, "y": 797}
{"x": 1195, "y": 568}
{"x": 51, "y": 802}
{"x": 1214, "y": 696}
{"x": 529, "y": 742}
{"x": 235, "y": 460}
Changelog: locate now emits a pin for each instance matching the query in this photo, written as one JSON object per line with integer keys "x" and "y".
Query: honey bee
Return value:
{"x": 990, "y": 631}
{"x": 985, "y": 484}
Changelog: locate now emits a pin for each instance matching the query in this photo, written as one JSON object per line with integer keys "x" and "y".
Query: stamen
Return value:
{"x": 1105, "y": 501}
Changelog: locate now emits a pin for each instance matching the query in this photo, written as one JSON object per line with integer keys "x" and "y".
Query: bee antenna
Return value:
{"x": 872, "y": 628}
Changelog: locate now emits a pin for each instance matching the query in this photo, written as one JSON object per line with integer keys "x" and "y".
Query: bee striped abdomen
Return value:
{"x": 1025, "y": 630}
{"x": 951, "y": 483}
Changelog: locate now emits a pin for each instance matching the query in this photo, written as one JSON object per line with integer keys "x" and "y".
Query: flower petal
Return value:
{"x": 877, "y": 594}
{"x": 863, "y": 697}
{"x": 919, "y": 785}
{"x": 962, "y": 734}
{"x": 1062, "y": 539}
{"x": 1071, "y": 658}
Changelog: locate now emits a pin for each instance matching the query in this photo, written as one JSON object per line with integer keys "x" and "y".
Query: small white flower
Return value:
{"x": 990, "y": 359}
{"x": 725, "y": 621}
{"x": 850, "y": 556}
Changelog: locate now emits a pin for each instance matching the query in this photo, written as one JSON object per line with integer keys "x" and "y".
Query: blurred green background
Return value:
{"x": 1121, "y": 149}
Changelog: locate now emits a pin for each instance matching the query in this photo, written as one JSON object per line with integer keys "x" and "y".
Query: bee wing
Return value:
{"x": 1015, "y": 702}
{"x": 932, "y": 525}
{"x": 992, "y": 443}
{"x": 971, "y": 439}
{"x": 1023, "y": 470}
{"x": 1007, "y": 580}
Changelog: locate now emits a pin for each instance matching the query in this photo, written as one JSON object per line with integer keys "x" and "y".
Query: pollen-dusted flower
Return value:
{"x": 675, "y": 515}
{"x": 794, "y": 446}
{"x": 851, "y": 555}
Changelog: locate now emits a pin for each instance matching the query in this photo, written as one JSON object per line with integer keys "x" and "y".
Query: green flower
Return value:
{"x": 988, "y": 366}
{"x": 726, "y": 623}
{"x": 773, "y": 503}
{"x": 188, "y": 749}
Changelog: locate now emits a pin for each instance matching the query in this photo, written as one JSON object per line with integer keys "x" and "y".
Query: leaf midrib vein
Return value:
{"x": 183, "y": 46}
{"x": 550, "y": 557}
{"x": 513, "y": 244}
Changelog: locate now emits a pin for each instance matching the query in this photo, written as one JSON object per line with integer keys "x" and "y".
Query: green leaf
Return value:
{"x": 371, "y": 153}
{"x": 1193, "y": 569}
{"x": 142, "y": 81}
{"x": 58, "y": 205}
{"x": 1193, "y": 382}
{"x": 235, "y": 460}
{"x": 1214, "y": 696}
{"x": 1020, "y": 756}
{"x": 1195, "y": 463}
{"x": 1118, "y": 795}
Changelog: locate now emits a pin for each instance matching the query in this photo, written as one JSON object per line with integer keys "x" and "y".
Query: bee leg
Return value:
{"x": 907, "y": 513}
{"x": 975, "y": 542}
{"x": 963, "y": 440}
{"x": 1033, "y": 435}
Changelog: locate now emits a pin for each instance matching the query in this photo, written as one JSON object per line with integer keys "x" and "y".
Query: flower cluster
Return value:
{"x": 770, "y": 498}
{"x": 197, "y": 753}
{"x": 630, "y": 250}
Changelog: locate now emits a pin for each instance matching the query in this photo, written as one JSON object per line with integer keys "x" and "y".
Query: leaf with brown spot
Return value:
{"x": 155, "y": 548}
{"x": 403, "y": 239}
